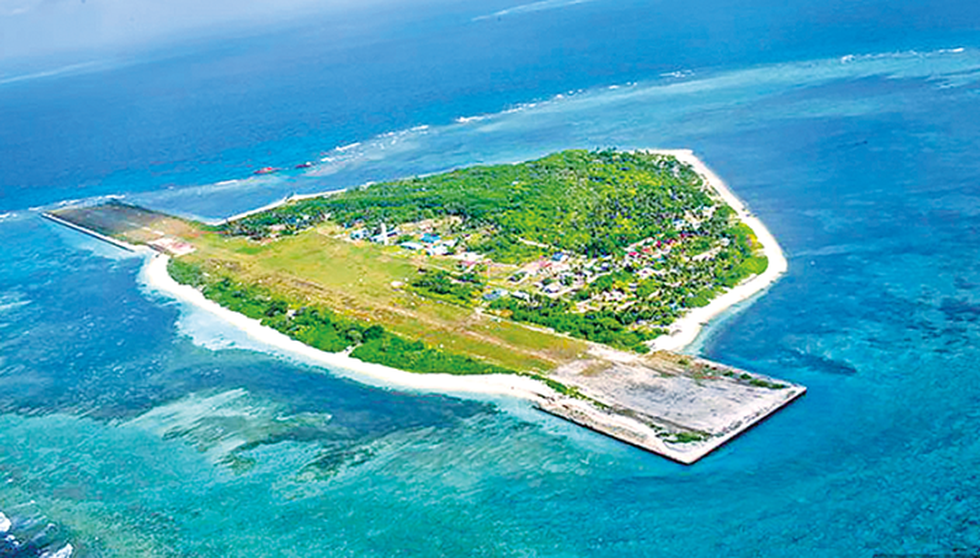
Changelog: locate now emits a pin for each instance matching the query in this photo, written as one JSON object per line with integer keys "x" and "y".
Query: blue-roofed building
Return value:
{"x": 430, "y": 238}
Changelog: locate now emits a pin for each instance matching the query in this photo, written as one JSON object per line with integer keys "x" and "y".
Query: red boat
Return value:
{"x": 266, "y": 170}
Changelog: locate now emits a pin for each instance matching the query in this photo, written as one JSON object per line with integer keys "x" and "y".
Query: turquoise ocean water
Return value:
{"x": 133, "y": 426}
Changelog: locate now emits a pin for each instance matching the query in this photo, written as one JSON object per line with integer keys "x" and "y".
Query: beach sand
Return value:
{"x": 685, "y": 330}
{"x": 749, "y": 406}
{"x": 682, "y": 332}
{"x": 275, "y": 204}
{"x": 154, "y": 274}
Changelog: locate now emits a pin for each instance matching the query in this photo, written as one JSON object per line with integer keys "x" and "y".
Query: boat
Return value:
{"x": 266, "y": 170}
{"x": 305, "y": 165}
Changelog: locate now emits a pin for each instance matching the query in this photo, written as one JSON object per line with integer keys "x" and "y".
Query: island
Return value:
{"x": 570, "y": 280}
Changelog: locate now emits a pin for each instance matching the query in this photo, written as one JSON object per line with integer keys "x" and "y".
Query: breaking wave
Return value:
{"x": 898, "y": 55}
{"x": 31, "y": 535}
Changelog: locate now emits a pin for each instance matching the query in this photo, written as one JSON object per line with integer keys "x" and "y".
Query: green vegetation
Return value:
{"x": 764, "y": 384}
{"x": 569, "y": 391}
{"x": 415, "y": 356}
{"x": 580, "y": 201}
{"x": 323, "y": 329}
{"x": 687, "y": 437}
{"x": 459, "y": 289}
{"x": 747, "y": 264}
{"x": 601, "y": 327}
{"x": 610, "y": 246}
{"x": 185, "y": 273}
{"x": 370, "y": 283}
{"x": 753, "y": 381}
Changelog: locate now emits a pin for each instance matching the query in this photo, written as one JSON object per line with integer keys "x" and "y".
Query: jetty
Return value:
{"x": 677, "y": 406}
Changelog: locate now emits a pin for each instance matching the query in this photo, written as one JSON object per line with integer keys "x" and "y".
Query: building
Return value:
{"x": 437, "y": 250}
{"x": 430, "y": 238}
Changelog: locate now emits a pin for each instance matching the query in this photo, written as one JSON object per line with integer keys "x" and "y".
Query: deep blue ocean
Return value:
{"x": 131, "y": 425}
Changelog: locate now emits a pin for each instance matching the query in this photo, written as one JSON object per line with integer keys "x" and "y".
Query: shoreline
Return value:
{"x": 621, "y": 421}
{"x": 117, "y": 243}
{"x": 154, "y": 274}
{"x": 275, "y": 204}
{"x": 685, "y": 330}
{"x": 620, "y": 427}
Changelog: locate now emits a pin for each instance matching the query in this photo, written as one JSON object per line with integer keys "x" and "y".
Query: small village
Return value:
{"x": 639, "y": 275}
{"x": 427, "y": 276}
{"x": 607, "y": 246}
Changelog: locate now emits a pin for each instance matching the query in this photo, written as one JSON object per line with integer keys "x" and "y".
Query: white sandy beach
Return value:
{"x": 628, "y": 429}
{"x": 154, "y": 274}
{"x": 685, "y": 330}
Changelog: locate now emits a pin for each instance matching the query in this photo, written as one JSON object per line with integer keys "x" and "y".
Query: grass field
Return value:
{"x": 367, "y": 281}
{"x": 359, "y": 280}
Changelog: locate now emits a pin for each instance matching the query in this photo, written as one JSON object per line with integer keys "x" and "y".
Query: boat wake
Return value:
{"x": 531, "y": 7}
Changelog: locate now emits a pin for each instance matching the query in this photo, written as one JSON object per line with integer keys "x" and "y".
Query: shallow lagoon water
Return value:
{"x": 139, "y": 428}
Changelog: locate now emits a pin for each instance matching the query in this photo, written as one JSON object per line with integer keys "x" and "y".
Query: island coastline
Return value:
{"x": 685, "y": 330}
{"x": 579, "y": 404}
{"x": 154, "y": 274}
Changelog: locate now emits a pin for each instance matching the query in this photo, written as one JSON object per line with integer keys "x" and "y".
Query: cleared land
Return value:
{"x": 370, "y": 282}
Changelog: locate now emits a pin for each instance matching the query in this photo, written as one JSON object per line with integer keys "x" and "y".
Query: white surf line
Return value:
{"x": 685, "y": 330}
{"x": 273, "y": 205}
{"x": 245, "y": 214}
